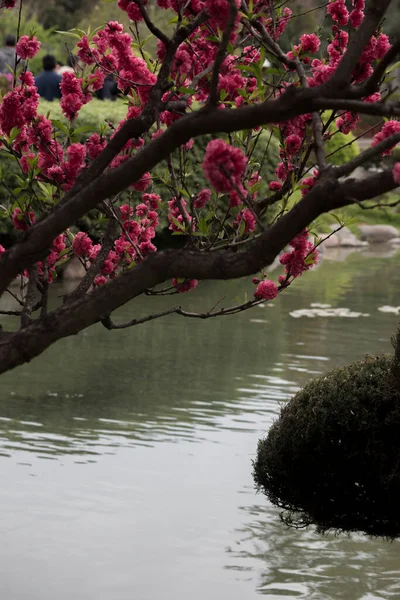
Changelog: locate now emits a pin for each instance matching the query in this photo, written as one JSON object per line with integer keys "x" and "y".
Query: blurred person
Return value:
{"x": 69, "y": 67}
{"x": 109, "y": 91}
{"x": 48, "y": 81}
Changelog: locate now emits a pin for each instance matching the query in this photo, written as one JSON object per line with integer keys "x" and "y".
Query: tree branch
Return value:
{"x": 151, "y": 26}
{"x": 328, "y": 194}
{"x": 374, "y": 12}
{"x": 178, "y": 310}
{"x": 367, "y": 155}
{"x": 372, "y": 84}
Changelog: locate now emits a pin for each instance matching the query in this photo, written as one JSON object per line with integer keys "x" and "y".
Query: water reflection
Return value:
{"x": 305, "y": 565}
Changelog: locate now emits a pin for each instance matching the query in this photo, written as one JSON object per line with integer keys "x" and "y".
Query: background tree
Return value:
{"x": 209, "y": 79}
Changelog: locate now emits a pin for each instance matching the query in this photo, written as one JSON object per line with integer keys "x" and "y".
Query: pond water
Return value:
{"x": 125, "y": 457}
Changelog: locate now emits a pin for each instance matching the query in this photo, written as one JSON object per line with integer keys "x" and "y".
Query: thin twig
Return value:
{"x": 109, "y": 324}
{"x": 151, "y": 26}
{"x": 367, "y": 155}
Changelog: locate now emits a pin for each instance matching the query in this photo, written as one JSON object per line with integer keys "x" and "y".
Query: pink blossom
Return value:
{"x": 82, "y": 244}
{"x": 219, "y": 12}
{"x": 59, "y": 243}
{"x": 303, "y": 256}
{"x": 282, "y": 170}
{"x": 236, "y": 198}
{"x": 184, "y": 285}
{"x": 338, "y": 11}
{"x": 382, "y": 46}
{"x": 276, "y": 27}
{"x": 2, "y": 250}
{"x": 347, "y": 122}
{"x": 275, "y": 186}
{"x": 396, "y": 173}
{"x": 27, "y": 47}
{"x": 122, "y": 245}
{"x": 310, "y": 43}
{"x": 141, "y": 210}
{"x": 152, "y": 200}
{"x": 356, "y": 18}
{"x": 388, "y": 129}
{"x": 87, "y": 55}
{"x": 293, "y": 143}
{"x": 22, "y": 220}
{"x": 100, "y": 280}
{"x": 126, "y": 211}
{"x": 266, "y": 290}
{"x": 247, "y": 217}
{"x": 94, "y": 145}
{"x": 202, "y": 198}
{"x": 147, "y": 248}
{"x": 224, "y": 165}
{"x": 307, "y": 184}
{"x": 95, "y": 81}
{"x": 175, "y": 215}
{"x": 143, "y": 183}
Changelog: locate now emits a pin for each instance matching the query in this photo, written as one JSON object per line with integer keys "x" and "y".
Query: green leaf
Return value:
{"x": 186, "y": 90}
{"x": 69, "y": 34}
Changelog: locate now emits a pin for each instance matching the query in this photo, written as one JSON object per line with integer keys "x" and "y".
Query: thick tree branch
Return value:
{"x": 328, "y": 194}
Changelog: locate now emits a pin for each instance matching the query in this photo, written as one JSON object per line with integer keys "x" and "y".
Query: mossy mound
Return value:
{"x": 332, "y": 459}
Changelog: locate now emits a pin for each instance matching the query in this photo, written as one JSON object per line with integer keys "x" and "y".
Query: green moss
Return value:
{"x": 332, "y": 457}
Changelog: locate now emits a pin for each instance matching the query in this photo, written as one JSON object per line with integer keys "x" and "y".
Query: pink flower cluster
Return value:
{"x": 274, "y": 25}
{"x": 132, "y": 9}
{"x": 224, "y": 166}
{"x": 202, "y": 198}
{"x": 338, "y": 11}
{"x": 184, "y": 285}
{"x": 303, "y": 256}
{"x": 133, "y": 244}
{"x": 396, "y": 173}
{"x": 388, "y": 129}
{"x": 219, "y": 12}
{"x": 19, "y": 106}
{"x": 27, "y": 47}
{"x": 176, "y": 219}
{"x": 22, "y": 220}
{"x": 266, "y": 290}
{"x": 73, "y": 96}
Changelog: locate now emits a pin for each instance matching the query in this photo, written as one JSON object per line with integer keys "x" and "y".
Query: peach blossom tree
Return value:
{"x": 208, "y": 78}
